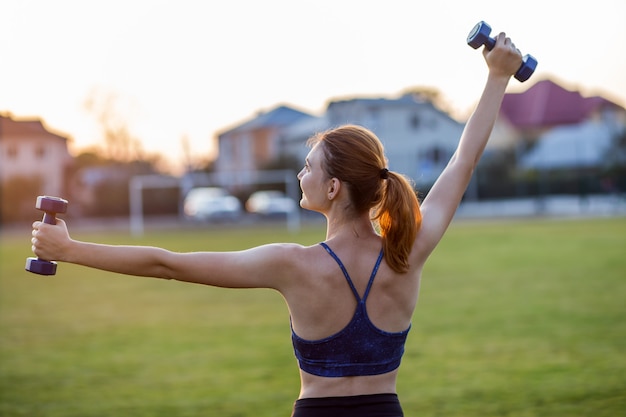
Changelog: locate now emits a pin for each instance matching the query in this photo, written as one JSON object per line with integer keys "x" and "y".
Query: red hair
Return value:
{"x": 355, "y": 156}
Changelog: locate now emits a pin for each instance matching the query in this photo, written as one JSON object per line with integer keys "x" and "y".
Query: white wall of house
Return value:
{"x": 418, "y": 138}
{"x": 45, "y": 157}
{"x": 294, "y": 137}
{"x": 583, "y": 145}
{"x": 503, "y": 136}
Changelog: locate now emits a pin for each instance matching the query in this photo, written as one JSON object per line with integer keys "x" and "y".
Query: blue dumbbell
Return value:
{"x": 480, "y": 36}
{"x": 50, "y": 206}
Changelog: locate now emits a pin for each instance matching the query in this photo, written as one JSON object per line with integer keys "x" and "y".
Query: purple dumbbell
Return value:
{"x": 480, "y": 36}
{"x": 50, "y": 206}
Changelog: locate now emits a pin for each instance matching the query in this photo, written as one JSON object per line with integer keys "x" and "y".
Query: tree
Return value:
{"x": 120, "y": 144}
{"x": 431, "y": 95}
{"x": 103, "y": 175}
{"x": 16, "y": 198}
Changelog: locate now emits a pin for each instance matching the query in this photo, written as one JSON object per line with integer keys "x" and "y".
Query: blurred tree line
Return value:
{"x": 97, "y": 182}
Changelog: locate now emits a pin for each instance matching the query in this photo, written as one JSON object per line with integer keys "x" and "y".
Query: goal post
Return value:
{"x": 227, "y": 179}
{"x": 136, "y": 186}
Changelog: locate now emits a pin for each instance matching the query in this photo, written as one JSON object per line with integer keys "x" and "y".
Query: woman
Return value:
{"x": 350, "y": 298}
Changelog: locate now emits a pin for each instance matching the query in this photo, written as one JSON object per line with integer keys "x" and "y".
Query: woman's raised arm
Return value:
{"x": 440, "y": 204}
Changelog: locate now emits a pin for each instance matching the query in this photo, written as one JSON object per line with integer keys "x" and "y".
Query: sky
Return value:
{"x": 191, "y": 69}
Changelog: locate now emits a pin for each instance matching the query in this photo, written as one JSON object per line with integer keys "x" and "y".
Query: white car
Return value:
{"x": 211, "y": 203}
{"x": 270, "y": 203}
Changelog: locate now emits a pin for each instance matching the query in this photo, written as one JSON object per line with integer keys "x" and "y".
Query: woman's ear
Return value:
{"x": 334, "y": 186}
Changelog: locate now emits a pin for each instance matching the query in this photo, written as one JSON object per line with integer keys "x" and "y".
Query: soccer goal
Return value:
{"x": 228, "y": 180}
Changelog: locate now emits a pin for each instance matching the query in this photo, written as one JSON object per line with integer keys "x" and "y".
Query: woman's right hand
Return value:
{"x": 504, "y": 59}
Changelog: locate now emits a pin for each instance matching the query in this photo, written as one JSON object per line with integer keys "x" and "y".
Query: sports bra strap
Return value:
{"x": 374, "y": 272}
{"x": 345, "y": 272}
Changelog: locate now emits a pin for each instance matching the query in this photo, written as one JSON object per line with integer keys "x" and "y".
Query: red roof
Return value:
{"x": 10, "y": 127}
{"x": 547, "y": 104}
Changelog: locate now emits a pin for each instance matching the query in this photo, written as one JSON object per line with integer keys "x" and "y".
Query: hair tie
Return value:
{"x": 384, "y": 174}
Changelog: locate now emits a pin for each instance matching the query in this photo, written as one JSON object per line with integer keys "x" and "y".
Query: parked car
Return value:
{"x": 211, "y": 204}
{"x": 270, "y": 203}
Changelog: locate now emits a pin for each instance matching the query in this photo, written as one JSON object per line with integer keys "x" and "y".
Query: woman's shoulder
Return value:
{"x": 294, "y": 265}
{"x": 294, "y": 254}
{"x": 292, "y": 248}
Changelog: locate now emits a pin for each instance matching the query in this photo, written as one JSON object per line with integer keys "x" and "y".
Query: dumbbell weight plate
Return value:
{"x": 51, "y": 204}
{"x": 41, "y": 267}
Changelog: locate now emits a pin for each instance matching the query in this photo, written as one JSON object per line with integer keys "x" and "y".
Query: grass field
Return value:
{"x": 515, "y": 319}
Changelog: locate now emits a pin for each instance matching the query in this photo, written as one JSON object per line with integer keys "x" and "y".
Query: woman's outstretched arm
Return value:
{"x": 265, "y": 266}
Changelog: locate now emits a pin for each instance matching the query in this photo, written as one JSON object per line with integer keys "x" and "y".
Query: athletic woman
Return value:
{"x": 350, "y": 298}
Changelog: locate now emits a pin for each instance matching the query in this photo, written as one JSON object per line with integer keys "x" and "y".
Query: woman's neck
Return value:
{"x": 349, "y": 228}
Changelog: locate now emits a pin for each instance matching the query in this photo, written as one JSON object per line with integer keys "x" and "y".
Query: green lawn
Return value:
{"x": 515, "y": 319}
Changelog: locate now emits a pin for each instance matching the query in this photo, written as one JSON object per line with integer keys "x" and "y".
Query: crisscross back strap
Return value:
{"x": 345, "y": 272}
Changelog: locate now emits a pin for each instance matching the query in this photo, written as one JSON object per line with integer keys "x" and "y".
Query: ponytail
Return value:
{"x": 399, "y": 219}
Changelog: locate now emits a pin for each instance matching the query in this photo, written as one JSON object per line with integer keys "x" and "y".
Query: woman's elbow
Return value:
{"x": 464, "y": 164}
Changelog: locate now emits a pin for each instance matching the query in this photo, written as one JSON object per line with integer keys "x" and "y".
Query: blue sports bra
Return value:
{"x": 358, "y": 349}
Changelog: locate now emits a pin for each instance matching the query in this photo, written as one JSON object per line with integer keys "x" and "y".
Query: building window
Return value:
{"x": 40, "y": 151}
{"x": 12, "y": 152}
{"x": 435, "y": 155}
{"x": 415, "y": 121}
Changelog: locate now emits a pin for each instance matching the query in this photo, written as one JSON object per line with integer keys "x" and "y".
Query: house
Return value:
{"x": 28, "y": 149}
{"x": 584, "y": 145}
{"x": 294, "y": 137}
{"x": 419, "y": 139}
{"x": 546, "y": 104}
{"x": 554, "y": 140}
{"x": 250, "y": 146}
{"x": 526, "y": 117}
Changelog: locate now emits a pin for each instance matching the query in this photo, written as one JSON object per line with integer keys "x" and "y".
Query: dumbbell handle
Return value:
{"x": 49, "y": 217}
{"x": 50, "y": 207}
{"x": 490, "y": 43}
